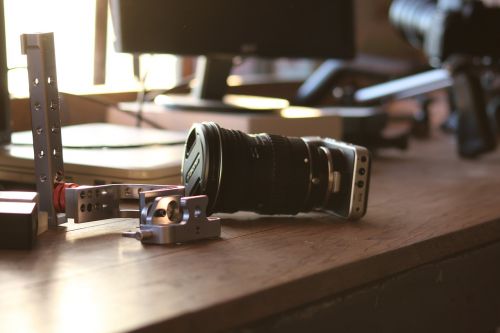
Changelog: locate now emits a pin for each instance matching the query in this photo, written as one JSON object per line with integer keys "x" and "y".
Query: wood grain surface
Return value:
{"x": 425, "y": 204}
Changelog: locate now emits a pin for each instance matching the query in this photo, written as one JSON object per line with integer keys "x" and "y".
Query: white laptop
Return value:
{"x": 102, "y": 153}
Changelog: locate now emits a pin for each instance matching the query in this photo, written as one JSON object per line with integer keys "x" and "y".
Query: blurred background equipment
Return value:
{"x": 461, "y": 37}
{"x": 445, "y": 28}
{"x": 220, "y": 31}
{"x": 464, "y": 37}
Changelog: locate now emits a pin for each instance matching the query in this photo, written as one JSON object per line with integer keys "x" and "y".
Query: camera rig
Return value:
{"x": 299, "y": 174}
{"x": 445, "y": 28}
{"x": 166, "y": 214}
{"x": 461, "y": 37}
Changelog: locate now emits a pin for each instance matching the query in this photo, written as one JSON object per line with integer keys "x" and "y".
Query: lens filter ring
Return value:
{"x": 202, "y": 162}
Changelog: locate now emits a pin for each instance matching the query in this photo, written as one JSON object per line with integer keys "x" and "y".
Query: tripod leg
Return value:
{"x": 318, "y": 84}
{"x": 475, "y": 132}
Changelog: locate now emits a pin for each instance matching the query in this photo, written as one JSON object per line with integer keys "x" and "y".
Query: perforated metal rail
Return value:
{"x": 45, "y": 120}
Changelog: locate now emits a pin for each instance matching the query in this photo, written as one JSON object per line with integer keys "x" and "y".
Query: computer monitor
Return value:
{"x": 219, "y": 30}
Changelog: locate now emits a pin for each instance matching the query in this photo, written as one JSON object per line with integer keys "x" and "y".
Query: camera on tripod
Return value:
{"x": 464, "y": 37}
{"x": 444, "y": 28}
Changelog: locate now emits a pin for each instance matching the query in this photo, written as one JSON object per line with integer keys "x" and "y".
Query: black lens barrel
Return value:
{"x": 267, "y": 174}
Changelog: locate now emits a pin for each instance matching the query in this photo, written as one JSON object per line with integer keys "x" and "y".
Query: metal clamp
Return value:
{"x": 91, "y": 203}
{"x": 176, "y": 219}
{"x": 166, "y": 215}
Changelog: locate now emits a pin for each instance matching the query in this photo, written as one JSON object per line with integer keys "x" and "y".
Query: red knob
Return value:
{"x": 60, "y": 197}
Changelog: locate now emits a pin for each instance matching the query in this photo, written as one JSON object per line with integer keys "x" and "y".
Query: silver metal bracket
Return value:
{"x": 176, "y": 219}
{"x": 166, "y": 215}
{"x": 92, "y": 203}
{"x": 45, "y": 121}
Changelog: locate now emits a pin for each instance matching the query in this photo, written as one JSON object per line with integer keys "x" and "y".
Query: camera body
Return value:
{"x": 348, "y": 198}
{"x": 272, "y": 174}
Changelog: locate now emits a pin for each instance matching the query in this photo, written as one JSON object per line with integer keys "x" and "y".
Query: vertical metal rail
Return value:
{"x": 101, "y": 34}
{"x": 45, "y": 121}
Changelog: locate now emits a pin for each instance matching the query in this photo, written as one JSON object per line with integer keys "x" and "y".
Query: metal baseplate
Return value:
{"x": 166, "y": 215}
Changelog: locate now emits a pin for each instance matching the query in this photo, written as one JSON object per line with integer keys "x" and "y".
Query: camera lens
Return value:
{"x": 264, "y": 173}
{"x": 413, "y": 18}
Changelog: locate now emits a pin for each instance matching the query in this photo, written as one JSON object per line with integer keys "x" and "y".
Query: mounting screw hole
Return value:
{"x": 197, "y": 211}
{"x": 160, "y": 213}
{"x": 53, "y": 105}
{"x": 172, "y": 210}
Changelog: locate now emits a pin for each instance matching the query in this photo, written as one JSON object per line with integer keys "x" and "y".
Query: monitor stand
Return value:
{"x": 209, "y": 93}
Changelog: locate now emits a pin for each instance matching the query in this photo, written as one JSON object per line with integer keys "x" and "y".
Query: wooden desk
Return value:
{"x": 426, "y": 205}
